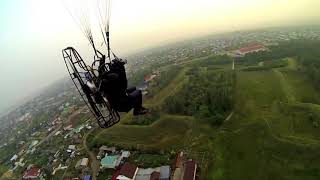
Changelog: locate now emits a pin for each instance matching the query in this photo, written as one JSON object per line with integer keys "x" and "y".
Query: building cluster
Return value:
{"x": 110, "y": 158}
{"x": 18, "y": 160}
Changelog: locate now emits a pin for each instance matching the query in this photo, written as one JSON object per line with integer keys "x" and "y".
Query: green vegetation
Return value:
{"x": 159, "y": 135}
{"x": 147, "y": 119}
{"x": 152, "y": 160}
{"x": 3, "y": 169}
{"x": 165, "y": 133}
{"x": 138, "y": 77}
{"x": 212, "y": 60}
{"x": 105, "y": 174}
{"x": 272, "y": 131}
{"x": 7, "y": 152}
{"x": 207, "y": 95}
{"x": 270, "y": 134}
{"x": 268, "y": 65}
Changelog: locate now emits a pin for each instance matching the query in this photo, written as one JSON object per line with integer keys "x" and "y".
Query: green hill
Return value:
{"x": 271, "y": 135}
{"x": 273, "y": 132}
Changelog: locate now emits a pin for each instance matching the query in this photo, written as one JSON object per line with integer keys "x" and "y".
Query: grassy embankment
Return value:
{"x": 272, "y": 134}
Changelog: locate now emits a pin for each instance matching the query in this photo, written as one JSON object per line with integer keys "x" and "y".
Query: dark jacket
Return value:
{"x": 114, "y": 85}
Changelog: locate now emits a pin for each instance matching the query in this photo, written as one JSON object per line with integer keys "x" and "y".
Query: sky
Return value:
{"x": 33, "y": 32}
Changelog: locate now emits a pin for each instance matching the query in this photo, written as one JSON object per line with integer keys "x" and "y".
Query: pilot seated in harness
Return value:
{"x": 113, "y": 85}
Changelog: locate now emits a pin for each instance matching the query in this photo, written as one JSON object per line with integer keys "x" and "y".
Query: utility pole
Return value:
{"x": 233, "y": 64}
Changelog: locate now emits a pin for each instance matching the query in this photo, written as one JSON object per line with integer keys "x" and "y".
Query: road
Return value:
{"x": 95, "y": 164}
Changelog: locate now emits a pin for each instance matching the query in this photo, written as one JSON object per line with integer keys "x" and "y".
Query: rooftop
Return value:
{"x": 109, "y": 161}
{"x": 32, "y": 172}
{"x": 87, "y": 177}
{"x": 155, "y": 176}
{"x": 84, "y": 162}
{"x": 128, "y": 170}
{"x": 145, "y": 174}
{"x": 106, "y": 148}
{"x": 164, "y": 172}
{"x": 251, "y": 48}
{"x": 190, "y": 170}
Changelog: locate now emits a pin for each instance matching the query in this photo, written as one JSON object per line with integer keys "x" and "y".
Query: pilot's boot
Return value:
{"x": 140, "y": 111}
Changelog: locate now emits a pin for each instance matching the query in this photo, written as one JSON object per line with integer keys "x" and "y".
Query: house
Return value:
{"x": 32, "y": 173}
{"x": 145, "y": 174}
{"x": 50, "y": 129}
{"x": 20, "y": 163}
{"x": 68, "y": 128}
{"x": 78, "y": 129}
{"x": 56, "y": 121}
{"x": 57, "y": 133}
{"x": 190, "y": 170}
{"x": 33, "y": 143}
{"x": 20, "y": 153}
{"x": 250, "y": 49}
{"x": 72, "y": 147}
{"x": 155, "y": 176}
{"x": 109, "y": 162}
{"x": 14, "y": 158}
{"x": 82, "y": 163}
{"x": 115, "y": 175}
{"x": 107, "y": 149}
{"x": 128, "y": 172}
{"x": 178, "y": 166}
{"x": 125, "y": 154}
{"x": 164, "y": 172}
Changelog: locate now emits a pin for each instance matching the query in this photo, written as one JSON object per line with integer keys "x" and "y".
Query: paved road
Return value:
{"x": 95, "y": 164}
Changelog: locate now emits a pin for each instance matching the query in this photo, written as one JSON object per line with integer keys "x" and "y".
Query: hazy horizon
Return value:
{"x": 33, "y": 33}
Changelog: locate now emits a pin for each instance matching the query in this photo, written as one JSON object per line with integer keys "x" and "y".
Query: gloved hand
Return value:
{"x": 120, "y": 61}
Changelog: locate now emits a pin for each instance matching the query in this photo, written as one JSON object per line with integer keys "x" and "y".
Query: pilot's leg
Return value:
{"x": 136, "y": 100}
{"x": 131, "y": 89}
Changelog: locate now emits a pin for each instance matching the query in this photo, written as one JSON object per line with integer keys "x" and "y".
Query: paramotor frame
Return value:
{"x": 79, "y": 72}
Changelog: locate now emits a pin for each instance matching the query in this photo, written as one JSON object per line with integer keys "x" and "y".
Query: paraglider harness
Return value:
{"x": 86, "y": 80}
